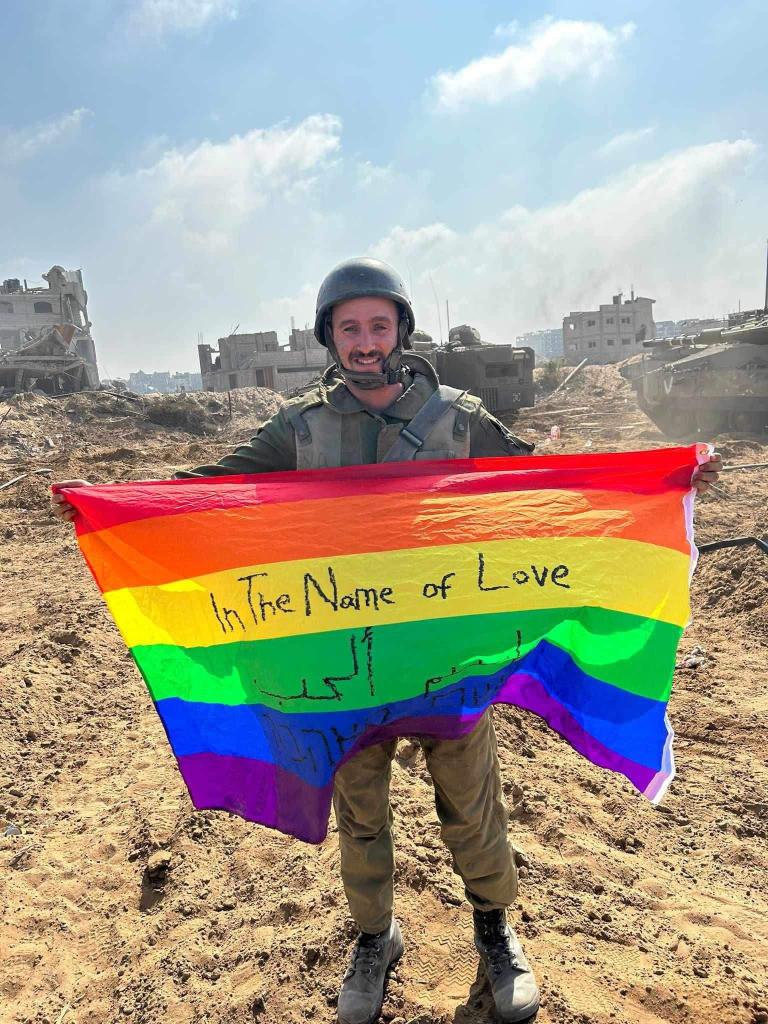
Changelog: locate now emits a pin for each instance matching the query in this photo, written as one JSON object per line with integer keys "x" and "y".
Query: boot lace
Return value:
{"x": 367, "y": 954}
{"x": 494, "y": 935}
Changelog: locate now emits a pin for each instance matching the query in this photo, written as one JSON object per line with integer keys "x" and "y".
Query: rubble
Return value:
{"x": 47, "y": 362}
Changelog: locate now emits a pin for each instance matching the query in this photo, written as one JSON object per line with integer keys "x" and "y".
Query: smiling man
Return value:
{"x": 380, "y": 402}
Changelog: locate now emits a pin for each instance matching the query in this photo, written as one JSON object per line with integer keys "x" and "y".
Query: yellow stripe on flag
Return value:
{"x": 353, "y": 591}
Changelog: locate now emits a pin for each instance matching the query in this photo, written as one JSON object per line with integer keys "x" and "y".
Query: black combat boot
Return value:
{"x": 362, "y": 991}
{"x": 514, "y": 988}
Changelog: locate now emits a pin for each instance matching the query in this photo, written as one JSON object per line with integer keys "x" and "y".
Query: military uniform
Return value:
{"x": 328, "y": 426}
{"x": 347, "y": 433}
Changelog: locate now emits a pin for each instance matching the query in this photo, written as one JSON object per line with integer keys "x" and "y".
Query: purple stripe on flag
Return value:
{"x": 526, "y": 692}
{"x": 523, "y": 691}
{"x": 276, "y": 797}
{"x": 260, "y": 792}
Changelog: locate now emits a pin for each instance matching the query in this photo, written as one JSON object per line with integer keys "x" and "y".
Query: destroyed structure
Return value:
{"x": 609, "y": 334}
{"x": 45, "y": 335}
{"x": 257, "y": 360}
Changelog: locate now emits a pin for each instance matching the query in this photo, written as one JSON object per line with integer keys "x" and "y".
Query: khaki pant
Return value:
{"x": 473, "y": 817}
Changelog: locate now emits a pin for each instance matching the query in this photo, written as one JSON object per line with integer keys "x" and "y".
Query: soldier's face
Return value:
{"x": 364, "y": 332}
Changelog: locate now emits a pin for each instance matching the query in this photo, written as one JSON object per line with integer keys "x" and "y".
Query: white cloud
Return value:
{"x": 207, "y": 192}
{"x": 22, "y": 144}
{"x": 668, "y": 226}
{"x": 551, "y": 50}
{"x": 624, "y": 140}
{"x": 204, "y": 236}
{"x": 507, "y": 31}
{"x": 424, "y": 244}
{"x": 158, "y": 18}
{"x": 369, "y": 174}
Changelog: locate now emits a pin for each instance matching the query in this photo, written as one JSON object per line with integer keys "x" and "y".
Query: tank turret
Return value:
{"x": 703, "y": 383}
{"x": 464, "y": 336}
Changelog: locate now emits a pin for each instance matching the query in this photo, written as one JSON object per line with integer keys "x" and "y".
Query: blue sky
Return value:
{"x": 206, "y": 161}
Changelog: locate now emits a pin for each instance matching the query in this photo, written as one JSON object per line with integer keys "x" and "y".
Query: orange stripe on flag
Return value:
{"x": 148, "y": 551}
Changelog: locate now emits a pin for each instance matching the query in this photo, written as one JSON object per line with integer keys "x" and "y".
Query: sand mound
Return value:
{"x": 122, "y": 903}
{"x": 199, "y": 412}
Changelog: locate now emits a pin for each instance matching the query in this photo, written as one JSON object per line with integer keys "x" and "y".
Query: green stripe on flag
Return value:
{"x": 348, "y": 669}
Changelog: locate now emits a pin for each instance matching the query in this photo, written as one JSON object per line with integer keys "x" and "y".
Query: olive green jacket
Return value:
{"x": 274, "y": 447}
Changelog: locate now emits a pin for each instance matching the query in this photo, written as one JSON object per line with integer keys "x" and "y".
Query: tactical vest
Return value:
{"x": 439, "y": 430}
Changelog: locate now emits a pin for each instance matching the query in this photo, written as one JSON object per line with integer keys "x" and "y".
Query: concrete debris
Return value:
{"x": 159, "y": 864}
{"x": 48, "y": 362}
{"x": 18, "y": 479}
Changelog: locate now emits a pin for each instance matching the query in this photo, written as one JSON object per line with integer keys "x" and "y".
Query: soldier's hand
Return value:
{"x": 707, "y": 473}
{"x": 59, "y": 504}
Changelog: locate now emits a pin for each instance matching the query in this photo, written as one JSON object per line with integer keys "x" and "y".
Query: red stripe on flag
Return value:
{"x": 647, "y": 472}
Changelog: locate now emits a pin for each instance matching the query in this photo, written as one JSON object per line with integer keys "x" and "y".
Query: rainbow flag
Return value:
{"x": 284, "y": 621}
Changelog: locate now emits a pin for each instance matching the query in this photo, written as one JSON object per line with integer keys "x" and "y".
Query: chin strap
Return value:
{"x": 392, "y": 372}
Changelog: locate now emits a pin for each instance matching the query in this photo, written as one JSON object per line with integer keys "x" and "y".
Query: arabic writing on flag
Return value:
{"x": 284, "y": 621}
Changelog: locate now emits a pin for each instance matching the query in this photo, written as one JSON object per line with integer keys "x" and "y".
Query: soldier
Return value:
{"x": 380, "y": 402}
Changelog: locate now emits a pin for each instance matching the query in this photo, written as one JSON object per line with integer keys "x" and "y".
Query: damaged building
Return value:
{"x": 611, "y": 333}
{"x": 45, "y": 335}
{"x": 258, "y": 360}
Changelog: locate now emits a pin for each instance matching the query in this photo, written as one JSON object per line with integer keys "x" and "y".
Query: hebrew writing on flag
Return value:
{"x": 284, "y": 621}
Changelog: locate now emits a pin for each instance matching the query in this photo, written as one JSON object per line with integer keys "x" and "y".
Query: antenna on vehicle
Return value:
{"x": 766, "y": 278}
{"x": 437, "y": 304}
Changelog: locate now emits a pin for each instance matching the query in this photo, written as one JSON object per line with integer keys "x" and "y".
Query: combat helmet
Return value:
{"x": 354, "y": 279}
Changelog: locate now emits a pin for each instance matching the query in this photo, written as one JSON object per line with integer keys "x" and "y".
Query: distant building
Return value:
{"x": 142, "y": 383}
{"x": 547, "y": 344}
{"x": 187, "y": 382}
{"x": 29, "y": 314}
{"x": 665, "y": 329}
{"x": 257, "y": 360}
{"x": 303, "y": 340}
{"x": 606, "y": 335}
{"x": 164, "y": 382}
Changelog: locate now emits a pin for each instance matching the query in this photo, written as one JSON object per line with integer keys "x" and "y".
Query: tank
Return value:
{"x": 501, "y": 376}
{"x": 707, "y": 382}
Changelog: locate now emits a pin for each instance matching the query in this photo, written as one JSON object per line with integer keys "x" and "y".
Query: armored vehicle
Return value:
{"x": 501, "y": 376}
{"x": 706, "y": 382}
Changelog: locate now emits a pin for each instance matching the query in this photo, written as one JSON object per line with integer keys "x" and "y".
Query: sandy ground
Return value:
{"x": 120, "y": 902}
